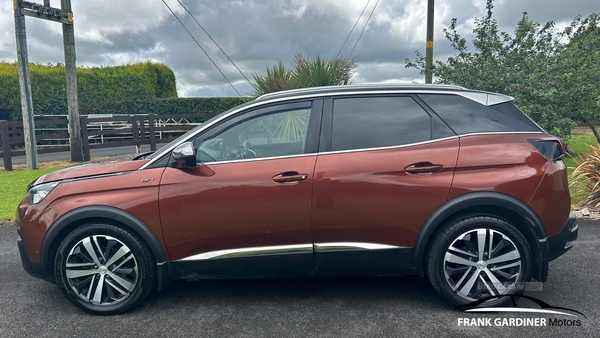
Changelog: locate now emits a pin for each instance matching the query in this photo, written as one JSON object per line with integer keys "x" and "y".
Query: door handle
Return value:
{"x": 423, "y": 168}
{"x": 289, "y": 177}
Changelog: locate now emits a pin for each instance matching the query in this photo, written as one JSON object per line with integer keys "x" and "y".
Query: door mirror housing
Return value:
{"x": 185, "y": 155}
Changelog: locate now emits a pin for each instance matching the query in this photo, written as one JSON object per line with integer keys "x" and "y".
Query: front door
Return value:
{"x": 245, "y": 209}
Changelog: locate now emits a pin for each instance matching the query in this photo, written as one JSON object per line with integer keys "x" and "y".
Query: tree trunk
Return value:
{"x": 592, "y": 126}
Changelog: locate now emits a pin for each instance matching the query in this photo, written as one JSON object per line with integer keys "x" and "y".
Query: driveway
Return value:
{"x": 323, "y": 307}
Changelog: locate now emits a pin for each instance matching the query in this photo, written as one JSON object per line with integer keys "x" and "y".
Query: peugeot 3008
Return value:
{"x": 453, "y": 184}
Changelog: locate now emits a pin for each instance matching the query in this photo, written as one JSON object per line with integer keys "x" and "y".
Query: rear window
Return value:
{"x": 465, "y": 116}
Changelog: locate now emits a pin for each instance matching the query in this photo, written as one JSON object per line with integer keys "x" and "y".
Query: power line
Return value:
{"x": 213, "y": 40}
{"x": 208, "y": 56}
{"x": 365, "y": 26}
{"x": 352, "y": 30}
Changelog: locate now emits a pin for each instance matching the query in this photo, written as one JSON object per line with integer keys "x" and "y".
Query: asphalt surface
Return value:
{"x": 319, "y": 307}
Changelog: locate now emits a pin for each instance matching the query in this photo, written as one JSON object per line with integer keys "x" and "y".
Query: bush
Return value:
{"x": 588, "y": 172}
{"x": 195, "y": 105}
{"x": 129, "y": 89}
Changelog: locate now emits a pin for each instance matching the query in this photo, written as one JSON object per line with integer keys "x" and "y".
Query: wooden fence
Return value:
{"x": 97, "y": 132}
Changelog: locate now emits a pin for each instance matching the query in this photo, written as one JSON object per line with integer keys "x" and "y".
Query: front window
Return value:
{"x": 269, "y": 135}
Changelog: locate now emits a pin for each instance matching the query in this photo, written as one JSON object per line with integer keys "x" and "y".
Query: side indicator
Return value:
{"x": 145, "y": 180}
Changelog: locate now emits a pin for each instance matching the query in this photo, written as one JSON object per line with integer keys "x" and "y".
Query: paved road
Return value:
{"x": 124, "y": 150}
{"x": 326, "y": 307}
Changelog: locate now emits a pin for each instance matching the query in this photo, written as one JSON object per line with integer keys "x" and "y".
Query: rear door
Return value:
{"x": 385, "y": 165}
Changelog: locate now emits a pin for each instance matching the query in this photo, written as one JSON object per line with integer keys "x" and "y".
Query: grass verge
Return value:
{"x": 13, "y": 185}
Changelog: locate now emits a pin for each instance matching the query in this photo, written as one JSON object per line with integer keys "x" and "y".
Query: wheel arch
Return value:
{"x": 490, "y": 203}
{"x": 74, "y": 218}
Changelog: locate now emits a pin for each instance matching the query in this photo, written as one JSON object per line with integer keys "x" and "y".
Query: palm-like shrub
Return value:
{"x": 588, "y": 172}
{"x": 306, "y": 72}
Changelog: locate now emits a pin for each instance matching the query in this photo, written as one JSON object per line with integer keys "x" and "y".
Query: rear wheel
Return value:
{"x": 104, "y": 269}
{"x": 479, "y": 257}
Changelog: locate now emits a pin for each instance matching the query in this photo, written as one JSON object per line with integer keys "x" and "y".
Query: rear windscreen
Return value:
{"x": 465, "y": 116}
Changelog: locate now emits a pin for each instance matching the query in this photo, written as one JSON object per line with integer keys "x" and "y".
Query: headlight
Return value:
{"x": 39, "y": 192}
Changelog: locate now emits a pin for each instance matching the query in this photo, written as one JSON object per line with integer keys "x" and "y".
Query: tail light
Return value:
{"x": 552, "y": 148}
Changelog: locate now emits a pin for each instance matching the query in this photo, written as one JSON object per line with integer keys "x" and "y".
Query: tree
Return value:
{"x": 306, "y": 72}
{"x": 519, "y": 65}
{"x": 577, "y": 71}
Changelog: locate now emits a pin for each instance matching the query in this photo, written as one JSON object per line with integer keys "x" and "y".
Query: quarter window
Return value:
{"x": 371, "y": 122}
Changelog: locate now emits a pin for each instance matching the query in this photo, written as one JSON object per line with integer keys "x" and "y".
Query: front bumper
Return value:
{"x": 562, "y": 242}
{"x": 31, "y": 268}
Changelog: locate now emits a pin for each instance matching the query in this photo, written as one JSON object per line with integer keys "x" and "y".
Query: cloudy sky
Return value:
{"x": 259, "y": 33}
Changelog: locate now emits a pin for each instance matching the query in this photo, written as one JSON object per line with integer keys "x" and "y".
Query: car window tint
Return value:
{"x": 269, "y": 135}
{"x": 371, "y": 122}
{"x": 466, "y": 116}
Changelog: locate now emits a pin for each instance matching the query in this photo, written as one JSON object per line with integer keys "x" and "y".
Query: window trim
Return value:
{"x": 325, "y": 146}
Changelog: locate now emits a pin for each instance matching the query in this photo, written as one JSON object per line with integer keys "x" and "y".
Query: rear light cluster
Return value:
{"x": 552, "y": 148}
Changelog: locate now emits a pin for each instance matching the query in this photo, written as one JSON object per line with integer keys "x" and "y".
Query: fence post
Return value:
{"x": 142, "y": 129}
{"x": 6, "y": 152}
{"x": 211, "y": 114}
{"x": 135, "y": 133}
{"x": 151, "y": 132}
{"x": 83, "y": 120}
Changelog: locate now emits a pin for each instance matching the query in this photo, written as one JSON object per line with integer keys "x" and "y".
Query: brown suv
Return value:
{"x": 442, "y": 181}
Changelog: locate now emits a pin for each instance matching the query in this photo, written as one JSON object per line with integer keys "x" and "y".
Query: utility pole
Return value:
{"x": 63, "y": 15}
{"x": 71, "y": 74}
{"x": 429, "y": 43}
{"x": 25, "y": 87}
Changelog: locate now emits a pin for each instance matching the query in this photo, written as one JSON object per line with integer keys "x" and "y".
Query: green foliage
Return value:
{"x": 129, "y": 89}
{"x": 194, "y": 105}
{"x": 305, "y": 73}
{"x": 525, "y": 65}
{"x": 577, "y": 71}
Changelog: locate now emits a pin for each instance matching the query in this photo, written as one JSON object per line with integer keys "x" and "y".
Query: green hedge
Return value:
{"x": 129, "y": 89}
{"x": 195, "y": 105}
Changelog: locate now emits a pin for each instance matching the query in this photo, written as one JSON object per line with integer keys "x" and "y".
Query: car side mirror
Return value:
{"x": 185, "y": 155}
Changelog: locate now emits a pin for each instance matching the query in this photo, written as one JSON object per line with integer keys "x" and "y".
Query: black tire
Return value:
{"x": 127, "y": 280}
{"x": 460, "y": 281}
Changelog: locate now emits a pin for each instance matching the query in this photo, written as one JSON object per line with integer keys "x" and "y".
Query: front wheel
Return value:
{"x": 104, "y": 269}
{"x": 479, "y": 257}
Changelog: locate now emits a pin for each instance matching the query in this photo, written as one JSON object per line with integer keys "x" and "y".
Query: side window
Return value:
{"x": 466, "y": 116}
{"x": 371, "y": 122}
{"x": 268, "y": 135}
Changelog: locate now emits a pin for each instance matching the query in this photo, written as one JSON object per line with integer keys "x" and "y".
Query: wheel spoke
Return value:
{"x": 462, "y": 252}
{"x": 123, "y": 282}
{"x": 487, "y": 286}
{"x": 464, "y": 291}
{"x": 461, "y": 279}
{"x": 497, "y": 284}
{"x": 79, "y": 265}
{"x": 120, "y": 253}
{"x": 452, "y": 258}
{"x": 505, "y": 258}
{"x": 125, "y": 260}
{"x": 80, "y": 273}
{"x": 95, "y": 238}
{"x": 517, "y": 263}
{"x": 116, "y": 287}
{"x": 481, "y": 237}
{"x": 98, "y": 294}
{"x": 87, "y": 244}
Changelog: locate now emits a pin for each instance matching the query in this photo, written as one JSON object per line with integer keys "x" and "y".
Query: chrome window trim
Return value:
{"x": 500, "y": 133}
{"x": 252, "y": 251}
{"x": 480, "y": 97}
{"x": 387, "y": 147}
{"x": 353, "y": 246}
{"x": 256, "y": 159}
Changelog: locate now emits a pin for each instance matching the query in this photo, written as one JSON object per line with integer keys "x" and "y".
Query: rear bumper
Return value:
{"x": 562, "y": 242}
